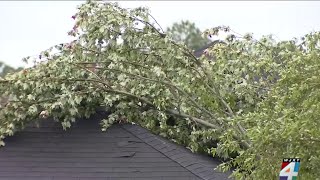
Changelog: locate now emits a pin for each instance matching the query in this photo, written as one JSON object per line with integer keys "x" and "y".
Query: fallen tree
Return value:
{"x": 251, "y": 100}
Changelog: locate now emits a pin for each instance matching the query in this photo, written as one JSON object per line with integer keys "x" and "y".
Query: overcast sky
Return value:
{"x": 26, "y": 28}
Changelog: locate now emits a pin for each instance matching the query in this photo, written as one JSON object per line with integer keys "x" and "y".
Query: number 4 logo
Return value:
{"x": 290, "y": 171}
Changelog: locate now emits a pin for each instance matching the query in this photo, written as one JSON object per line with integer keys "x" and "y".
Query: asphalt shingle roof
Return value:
{"x": 84, "y": 152}
{"x": 198, "y": 53}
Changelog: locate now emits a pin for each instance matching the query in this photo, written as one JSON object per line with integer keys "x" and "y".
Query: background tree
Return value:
{"x": 5, "y": 69}
{"x": 187, "y": 33}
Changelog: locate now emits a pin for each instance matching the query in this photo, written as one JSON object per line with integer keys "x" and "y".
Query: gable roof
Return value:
{"x": 124, "y": 151}
{"x": 198, "y": 53}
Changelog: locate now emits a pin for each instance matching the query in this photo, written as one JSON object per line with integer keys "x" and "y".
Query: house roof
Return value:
{"x": 124, "y": 151}
{"x": 200, "y": 51}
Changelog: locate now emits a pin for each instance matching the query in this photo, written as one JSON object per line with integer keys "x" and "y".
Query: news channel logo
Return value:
{"x": 289, "y": 169}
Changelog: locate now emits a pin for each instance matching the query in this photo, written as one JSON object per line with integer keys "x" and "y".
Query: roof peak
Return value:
{"x": 199, "y": 52}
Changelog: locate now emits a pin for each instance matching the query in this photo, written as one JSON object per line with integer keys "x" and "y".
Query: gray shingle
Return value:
{"x": 200, "y": 165}
{"x": 12, "y": 177}
{"x": 85, "y": 152}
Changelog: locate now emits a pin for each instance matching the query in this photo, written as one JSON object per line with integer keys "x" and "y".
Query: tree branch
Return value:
{"x": 168, "y": 84}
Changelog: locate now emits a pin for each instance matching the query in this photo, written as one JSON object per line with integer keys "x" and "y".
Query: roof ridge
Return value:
{"x": 188, "y": 160}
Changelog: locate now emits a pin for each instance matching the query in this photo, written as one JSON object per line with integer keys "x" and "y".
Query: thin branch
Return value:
{"x": 200, "y": 121}
{"x": 49, "y": 99}
{"x": 121, "y": 61}
{"x": 166, "y": 83}
{"x": 216, "y": 91}
{"x": 162, "y": 35}
{"x": 156, "y": 22}
{"x": 88, "y": 71}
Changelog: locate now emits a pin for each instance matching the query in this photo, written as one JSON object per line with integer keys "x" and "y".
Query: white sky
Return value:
{"x": 26, "y": 28}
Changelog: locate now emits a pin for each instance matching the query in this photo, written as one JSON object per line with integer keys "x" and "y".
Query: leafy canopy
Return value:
{"x": 255, "y": 104}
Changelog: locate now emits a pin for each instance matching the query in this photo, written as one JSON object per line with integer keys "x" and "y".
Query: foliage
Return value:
{"x": 186, "y": 32}
{"x": 5, "y": 69}
{"x": 257, "y": 100}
